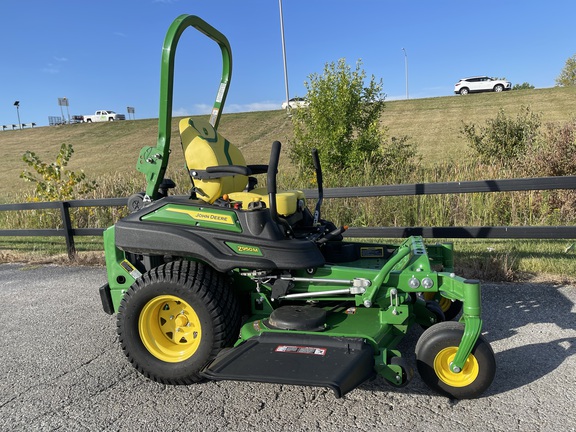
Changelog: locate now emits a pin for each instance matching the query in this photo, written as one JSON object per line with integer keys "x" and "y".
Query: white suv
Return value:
{"x": 481, "y": 84}
{"x": 296, "y": 102}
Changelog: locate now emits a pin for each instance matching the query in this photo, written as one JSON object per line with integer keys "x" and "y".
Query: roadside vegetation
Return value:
{"x": 529, "y": 133}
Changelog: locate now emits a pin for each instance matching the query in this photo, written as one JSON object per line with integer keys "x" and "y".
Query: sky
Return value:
{"x": 106, "y": 54}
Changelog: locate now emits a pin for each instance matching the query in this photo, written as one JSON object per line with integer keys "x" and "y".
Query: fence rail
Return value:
{"x": 482, "y": 186}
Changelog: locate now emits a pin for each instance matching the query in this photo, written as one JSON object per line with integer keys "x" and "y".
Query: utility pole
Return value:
{"x": 17, "y": 105}
{"x": 284, "y": 54}
{"x": 406, "y": 69}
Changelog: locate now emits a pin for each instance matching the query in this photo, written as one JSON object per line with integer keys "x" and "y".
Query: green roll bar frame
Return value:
{"x": 152, "y": 161}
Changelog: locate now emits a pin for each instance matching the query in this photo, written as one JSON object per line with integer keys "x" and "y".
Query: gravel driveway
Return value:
{"x": 62, "y": 369}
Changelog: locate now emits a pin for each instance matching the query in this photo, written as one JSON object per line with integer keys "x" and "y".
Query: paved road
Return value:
{"x": 61, "y": 369}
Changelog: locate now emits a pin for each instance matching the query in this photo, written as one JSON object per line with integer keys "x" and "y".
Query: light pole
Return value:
{"x": 284, "y": 54}
{"x": 17, "y": 105}
{"x": 406, "y": 69}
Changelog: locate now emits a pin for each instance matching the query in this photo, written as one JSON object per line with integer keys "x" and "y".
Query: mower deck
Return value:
{"x": 341, "y": 364}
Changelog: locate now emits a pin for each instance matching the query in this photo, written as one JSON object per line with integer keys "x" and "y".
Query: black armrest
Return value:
{"x": 220, "y": 171}
{"x": 258, "y": 169}
{"x": 228, "y": 171}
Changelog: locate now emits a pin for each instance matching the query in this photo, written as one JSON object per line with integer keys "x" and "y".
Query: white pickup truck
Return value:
{"x": 103, "y": 115}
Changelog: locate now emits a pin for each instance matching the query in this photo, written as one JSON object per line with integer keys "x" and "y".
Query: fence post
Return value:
{"x": 68, "y": 231}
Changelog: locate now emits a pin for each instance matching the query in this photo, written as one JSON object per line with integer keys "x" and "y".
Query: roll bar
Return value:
{"x": 153, "y": 161}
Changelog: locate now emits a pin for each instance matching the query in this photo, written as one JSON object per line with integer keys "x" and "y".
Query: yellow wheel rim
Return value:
{"x": 442, "y": 364}
{"x": 170, "y": 328}
{"x": 443, "y": 302}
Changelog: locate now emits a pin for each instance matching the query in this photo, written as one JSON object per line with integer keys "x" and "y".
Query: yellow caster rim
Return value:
{"x": 467, "y": 376}
{"x": 170, "y": 328}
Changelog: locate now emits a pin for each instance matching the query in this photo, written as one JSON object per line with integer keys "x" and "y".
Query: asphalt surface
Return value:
{"x": 61, "y": 368}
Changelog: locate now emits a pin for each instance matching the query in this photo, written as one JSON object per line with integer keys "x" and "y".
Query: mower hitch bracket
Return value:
{"x": 367, "y": 298}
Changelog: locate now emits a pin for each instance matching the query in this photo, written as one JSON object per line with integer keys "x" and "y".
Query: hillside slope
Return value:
{"x": 433, "y": 123}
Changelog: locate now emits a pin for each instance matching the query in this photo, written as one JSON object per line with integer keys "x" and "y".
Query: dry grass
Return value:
{"x": 108, "y": 152}
{"x": 102, "y": 149}
{"x": 433, "y": 124}
{"x": 95, "y": 258}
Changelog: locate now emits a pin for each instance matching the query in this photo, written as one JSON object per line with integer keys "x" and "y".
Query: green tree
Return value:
{"x": 568, "y": 75}
{"x": 341, "y": 120}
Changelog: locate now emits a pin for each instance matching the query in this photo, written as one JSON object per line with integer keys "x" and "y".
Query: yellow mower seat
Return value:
{"x": 204, "y": 148}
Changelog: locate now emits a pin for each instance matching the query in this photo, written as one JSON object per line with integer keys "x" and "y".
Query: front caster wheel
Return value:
{"x": 175, "y": 319}
{"x": 435, "y": 351}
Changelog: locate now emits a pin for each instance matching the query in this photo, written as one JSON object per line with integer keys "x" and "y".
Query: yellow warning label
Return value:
{"x": 205, "y": 216}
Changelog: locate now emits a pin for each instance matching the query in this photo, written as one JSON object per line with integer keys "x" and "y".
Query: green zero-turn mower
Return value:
{"x": 237, "y": 282}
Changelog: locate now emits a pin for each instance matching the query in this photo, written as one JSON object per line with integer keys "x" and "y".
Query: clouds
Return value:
{"x": 201, "y": 109}
{"x": 254, "y": 106}
{"x": 54, "y": 67}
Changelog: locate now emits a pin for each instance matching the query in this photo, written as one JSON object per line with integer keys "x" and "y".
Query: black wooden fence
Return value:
{"x": 67, "y": 231}
{"x": 505, "y": 232}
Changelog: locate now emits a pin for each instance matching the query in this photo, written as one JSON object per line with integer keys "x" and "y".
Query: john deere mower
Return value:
{"x": 239, "y": 282}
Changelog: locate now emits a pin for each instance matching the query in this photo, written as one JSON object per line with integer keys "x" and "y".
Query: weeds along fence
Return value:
{"x": 444, "y": 188}
{"x": 67, "y": 231}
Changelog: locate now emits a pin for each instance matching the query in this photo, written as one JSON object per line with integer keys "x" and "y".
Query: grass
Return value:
{"x": 51, "y": 250}
{"x": 488, "y": 260}
{"x": 432, "y": 123}
{"x": 108, "y": 151}
{"x": 101, "y": 149}
{"x": 511, "y": 260}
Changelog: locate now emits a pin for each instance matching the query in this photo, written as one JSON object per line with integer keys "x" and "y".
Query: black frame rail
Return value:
{"x": 464, "y": 187}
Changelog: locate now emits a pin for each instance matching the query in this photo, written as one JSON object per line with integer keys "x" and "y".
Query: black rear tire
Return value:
{"x": 175, "y": 319}
{"x": 451, "y": 308}
{"x": 435, "y": 308}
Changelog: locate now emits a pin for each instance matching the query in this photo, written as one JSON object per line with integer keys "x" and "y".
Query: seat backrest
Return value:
{"x": 203, "y": 147}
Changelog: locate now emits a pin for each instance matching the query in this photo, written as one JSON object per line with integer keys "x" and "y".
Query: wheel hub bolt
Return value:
{"x": 455, "y": 369}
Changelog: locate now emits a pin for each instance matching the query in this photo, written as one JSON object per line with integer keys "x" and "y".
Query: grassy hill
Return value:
{"x": 433, "y": 123}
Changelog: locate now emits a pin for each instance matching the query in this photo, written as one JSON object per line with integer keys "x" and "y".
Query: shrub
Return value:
{"x": 555, "y": 153}
{"x": 56, "y": 183}
{"x": 503, "y": 139}
{"x": 523, "y": 86}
